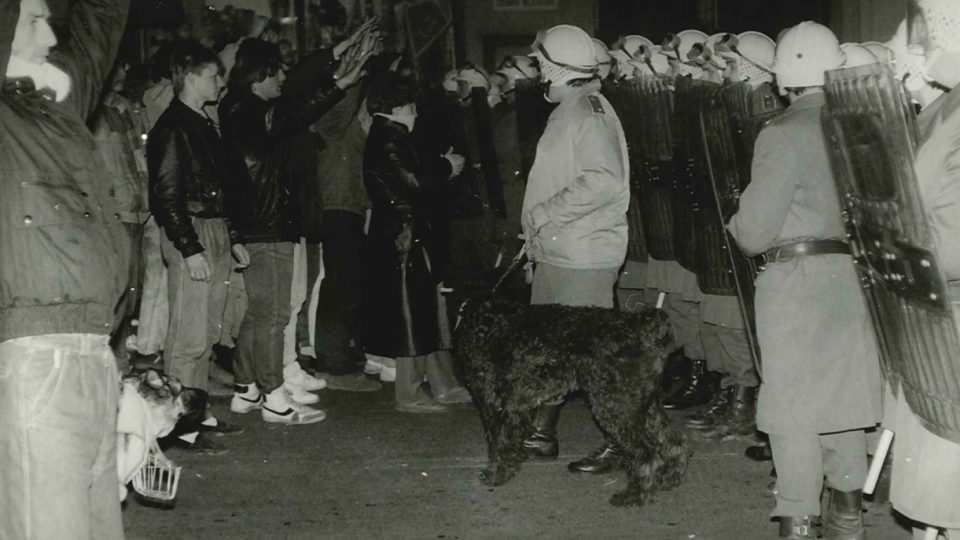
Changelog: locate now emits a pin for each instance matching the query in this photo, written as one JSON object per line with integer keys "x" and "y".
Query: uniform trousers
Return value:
{"x": 572, "y": 287}
{"x": 58, "y": 449}
{"x": 196, "y": 307}
{"x": 803, "y": 459}
{"x": 684, "y": 324}
{"x": 727, "y": 351}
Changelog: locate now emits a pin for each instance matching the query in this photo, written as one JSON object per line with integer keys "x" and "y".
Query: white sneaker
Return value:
{"x": 294, "y": 375}
{"x": 246, "y": 397}
{"x": 388, "y": 370}
{"x": 299, "y": 395}
{"x": 373, "y": 365}
{"x": 278, "y": 408}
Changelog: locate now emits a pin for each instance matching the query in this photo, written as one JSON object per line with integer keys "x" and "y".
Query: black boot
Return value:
{"x": 607, "y": 459}
{"x": 741, "y": 417}
{"x": 715, "y": 411}
{"x": 759, "y": 452}
{"x": 543, "y": 443}
{"x": 844, "y": 519}
{"x": 797, "y": 528}
{"x": 697, "y": 391}
{"x": 676, "y": 370}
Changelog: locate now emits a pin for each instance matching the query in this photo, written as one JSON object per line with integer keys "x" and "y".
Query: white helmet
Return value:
{"x": 804, "y": 53}
{"x": 450, "y": 81}
{"x": 881, "y": 51}
{"x": 514, "y": 68}
{"x": 676, "y": 47}
{"x": 604, "y": 60}
{"x": 648, "y": 61}
{"x": 857, "y": 55}
{"x": 753, "y": 53}
{"x": 473, "y": 77}
{"x": 625, "y": 50}
{"x": 566, "y": 53}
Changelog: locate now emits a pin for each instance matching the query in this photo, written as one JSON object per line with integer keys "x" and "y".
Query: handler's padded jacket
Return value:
{"x": 189, "y": 167}
{"x": 271, "y": 138}
{"x": 63, "y": 249}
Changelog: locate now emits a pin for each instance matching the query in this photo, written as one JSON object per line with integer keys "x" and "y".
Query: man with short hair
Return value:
{"x": 264, "y": 118}
{"x": 188, "y": 168}
{"x": 62, "y": 273}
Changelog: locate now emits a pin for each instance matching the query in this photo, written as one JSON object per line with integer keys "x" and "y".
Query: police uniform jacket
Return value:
{"x": 820, "y": 365}
{"x": 578, "y": 189}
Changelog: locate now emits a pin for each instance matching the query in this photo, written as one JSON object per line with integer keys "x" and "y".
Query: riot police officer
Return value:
{"x": 821, "y": 384}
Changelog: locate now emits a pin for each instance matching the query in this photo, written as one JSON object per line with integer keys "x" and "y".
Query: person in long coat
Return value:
{"x": 404, "y": 315}
{"x": 821, "y": 375}
{"x": 926, "y": 468}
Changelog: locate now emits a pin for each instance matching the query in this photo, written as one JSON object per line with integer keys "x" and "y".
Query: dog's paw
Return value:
{"x": 494, "y": 475}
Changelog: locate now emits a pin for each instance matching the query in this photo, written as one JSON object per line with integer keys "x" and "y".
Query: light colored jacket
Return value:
{"x": 575, "y": 205}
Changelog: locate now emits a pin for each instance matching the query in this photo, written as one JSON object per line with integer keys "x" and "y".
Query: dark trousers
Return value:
{"x": 338, "y": 306}
{"x": 260, "y": 343}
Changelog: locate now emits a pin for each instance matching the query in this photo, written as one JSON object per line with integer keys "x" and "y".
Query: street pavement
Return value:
{"x": 369, "y": 472}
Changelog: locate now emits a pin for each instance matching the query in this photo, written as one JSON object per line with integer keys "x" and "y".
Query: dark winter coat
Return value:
{"x": 189, "y": 169}
{"x": 280, "y": 153}
{"x": 63, "y": 249}
{"x": 401, "y": 315}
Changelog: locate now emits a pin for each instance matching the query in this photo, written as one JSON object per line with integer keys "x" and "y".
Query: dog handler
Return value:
{"x": 62, "y": 272}
{"x": 821, "y": 374}
{"x": 575, "y": 205}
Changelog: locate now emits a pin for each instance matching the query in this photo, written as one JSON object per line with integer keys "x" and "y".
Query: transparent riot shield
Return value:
{"x": 623, "y": 98}
{"x": 871, "y": 132}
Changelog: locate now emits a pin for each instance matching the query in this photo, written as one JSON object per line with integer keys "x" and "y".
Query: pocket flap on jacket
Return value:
{"x": 46, "y": 201}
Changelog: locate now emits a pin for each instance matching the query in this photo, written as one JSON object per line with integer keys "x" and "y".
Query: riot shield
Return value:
{"x": 727, "y": 127}
{"x": 532, "y": 113}
{"x": 486, "y": 151}
{"x": 687, "y": 171}
{"x": 621, "y": 96}
{"x": 871, "y": 134}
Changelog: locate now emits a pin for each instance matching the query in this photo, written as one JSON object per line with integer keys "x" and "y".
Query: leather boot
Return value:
{"x": 675, "y": 370}
{"x": 741, "y": 417}
{"x": 844, "y": 519}
{"x": 697, "y": 390}
{"x": 543, "y": 442}
{"x": 797, "y": 528}
{"x": 715, "y": 411}
{"x": 607, "y": 459}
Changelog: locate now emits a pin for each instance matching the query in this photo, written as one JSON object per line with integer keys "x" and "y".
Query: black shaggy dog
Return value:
{"x": 515, "y": 357}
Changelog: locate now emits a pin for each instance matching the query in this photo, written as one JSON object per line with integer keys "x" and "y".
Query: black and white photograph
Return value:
{"x": 479, "y": 269}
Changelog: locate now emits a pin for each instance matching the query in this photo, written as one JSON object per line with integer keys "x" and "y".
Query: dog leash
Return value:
{"x": 514, "y": 264}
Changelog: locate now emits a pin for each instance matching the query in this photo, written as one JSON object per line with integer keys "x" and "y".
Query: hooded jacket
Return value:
{"x": 64, "y": 252}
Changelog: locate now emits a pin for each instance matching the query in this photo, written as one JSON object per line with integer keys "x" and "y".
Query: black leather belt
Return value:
{"x": 788, "y": 252}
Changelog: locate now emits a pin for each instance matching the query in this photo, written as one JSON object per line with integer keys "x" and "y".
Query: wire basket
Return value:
{"x": 157, "y": 480}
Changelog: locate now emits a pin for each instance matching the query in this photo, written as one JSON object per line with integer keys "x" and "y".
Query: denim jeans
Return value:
{"x": 58, "y": 439}
{"x": 260, "y": 343}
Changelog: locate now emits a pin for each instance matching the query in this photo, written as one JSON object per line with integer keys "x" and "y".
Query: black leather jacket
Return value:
{"x": 271, "y": 138}
{"x": 189, "y": 167}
